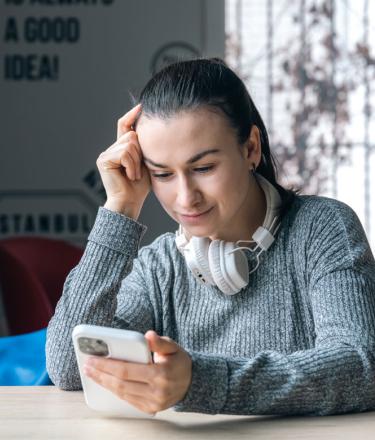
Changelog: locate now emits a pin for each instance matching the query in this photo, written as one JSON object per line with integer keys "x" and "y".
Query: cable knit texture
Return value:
{"x": 298, "y": 339}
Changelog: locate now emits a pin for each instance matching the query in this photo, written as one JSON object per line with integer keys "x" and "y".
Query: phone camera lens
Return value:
{"x": 95, "y": 347}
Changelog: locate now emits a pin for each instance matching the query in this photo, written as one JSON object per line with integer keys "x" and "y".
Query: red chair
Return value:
{"x": 32, "y": 275}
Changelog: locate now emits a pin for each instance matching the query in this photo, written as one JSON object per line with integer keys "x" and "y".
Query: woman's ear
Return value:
{"x": 253, "y": 148}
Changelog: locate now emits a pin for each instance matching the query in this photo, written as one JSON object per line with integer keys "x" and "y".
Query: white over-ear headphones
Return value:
{"x": 224, "y": 264}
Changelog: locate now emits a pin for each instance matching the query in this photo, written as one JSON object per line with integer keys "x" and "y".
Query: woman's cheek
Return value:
{"x": 164, "y": 195}
{"x": 220, "y": 182}
{"x": 160, "y": 189}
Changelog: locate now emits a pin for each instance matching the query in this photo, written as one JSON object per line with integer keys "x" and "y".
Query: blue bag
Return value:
{"x": 23, "y": 359}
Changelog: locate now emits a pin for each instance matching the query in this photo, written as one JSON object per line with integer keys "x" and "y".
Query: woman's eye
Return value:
{"x": 199, "y": 170}
{"x": 161, "y": 176}
{"x": 204, "y": 169}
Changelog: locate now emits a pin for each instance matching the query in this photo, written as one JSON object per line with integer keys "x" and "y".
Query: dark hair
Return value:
{"x": 187, "y": 85}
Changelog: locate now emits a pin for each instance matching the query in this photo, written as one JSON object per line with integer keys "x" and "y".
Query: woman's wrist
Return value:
{"x": 123, "y": 208}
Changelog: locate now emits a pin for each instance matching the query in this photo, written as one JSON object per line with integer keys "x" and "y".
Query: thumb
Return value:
{"x": 161, "y": 344}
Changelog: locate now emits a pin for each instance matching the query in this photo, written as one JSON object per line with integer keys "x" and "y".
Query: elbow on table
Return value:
{"x": 65, "y": 379}
{"x": 65, "y": 384}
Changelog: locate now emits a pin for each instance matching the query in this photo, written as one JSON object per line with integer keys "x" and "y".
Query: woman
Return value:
{"x": 296, "y": 336}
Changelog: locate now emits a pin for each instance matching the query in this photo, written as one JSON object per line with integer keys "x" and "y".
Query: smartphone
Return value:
{"x": 127, "y": 345}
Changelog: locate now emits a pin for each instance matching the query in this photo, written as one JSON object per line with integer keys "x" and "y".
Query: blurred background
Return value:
{"x": 310, "y": 66}
{"x": 69, "y": 69}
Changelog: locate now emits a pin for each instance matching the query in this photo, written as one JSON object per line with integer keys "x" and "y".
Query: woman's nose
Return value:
{"x": 188, "y": 195}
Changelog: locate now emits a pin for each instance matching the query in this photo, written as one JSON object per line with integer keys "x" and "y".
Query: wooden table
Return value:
{"x": 49, "y": 413}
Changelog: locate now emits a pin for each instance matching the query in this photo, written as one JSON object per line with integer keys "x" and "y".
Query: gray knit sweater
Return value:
{"x": 299, "y": 339}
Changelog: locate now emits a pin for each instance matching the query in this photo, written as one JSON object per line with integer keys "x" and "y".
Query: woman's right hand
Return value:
{"x": 125, "y": 178}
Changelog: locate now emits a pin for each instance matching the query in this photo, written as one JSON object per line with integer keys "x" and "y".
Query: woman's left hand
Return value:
{"x": 152, "y": 387}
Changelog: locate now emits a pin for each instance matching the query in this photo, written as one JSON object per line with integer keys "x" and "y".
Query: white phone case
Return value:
{"x": 126, "y": 345}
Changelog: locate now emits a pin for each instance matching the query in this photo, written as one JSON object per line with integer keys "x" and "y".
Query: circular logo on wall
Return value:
{"x": 172, "y": 53}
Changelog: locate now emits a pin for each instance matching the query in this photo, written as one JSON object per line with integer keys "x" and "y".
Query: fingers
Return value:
{"x": 124, "y": 153}
{"x": 120, "y": 166}
{"x": 138, "y": 394}
{"x": 130, "y": 143}
{"x": 149, "y": 387}
{"x": 161, "y": 344}
{"x": 124, "y": 124}
{"x": 118, "y": 386}
{"x": 126, "y": 371}
{"x": 142, "y": 405}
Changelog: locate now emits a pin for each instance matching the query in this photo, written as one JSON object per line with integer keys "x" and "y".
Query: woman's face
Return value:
{"x": 199, "y": 172}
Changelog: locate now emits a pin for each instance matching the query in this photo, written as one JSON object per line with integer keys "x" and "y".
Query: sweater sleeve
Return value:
{"x": 337, "y": 375}
{"x": 91, "y": 291}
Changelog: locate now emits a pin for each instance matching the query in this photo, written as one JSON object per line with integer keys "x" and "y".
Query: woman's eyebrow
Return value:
{"x": 193, "y": 159}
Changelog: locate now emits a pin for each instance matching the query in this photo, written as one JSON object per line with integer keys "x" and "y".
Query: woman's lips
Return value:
{"x": 194, "y": 218}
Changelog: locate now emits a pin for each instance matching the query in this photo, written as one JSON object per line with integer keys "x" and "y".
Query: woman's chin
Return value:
{"x": 198, "y": 231}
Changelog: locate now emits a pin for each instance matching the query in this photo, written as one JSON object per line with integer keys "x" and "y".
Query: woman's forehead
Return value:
{"x": 187, "y": 128}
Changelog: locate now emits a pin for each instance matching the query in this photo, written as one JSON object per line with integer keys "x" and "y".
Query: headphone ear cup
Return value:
{"x": 230, "y": 271}
{"x": 236, "y": 267}
{"x": 197, "y": 259}
{"x": 215, "y": 261}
